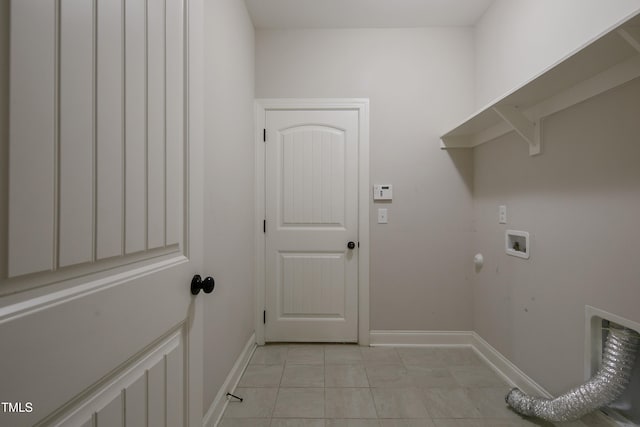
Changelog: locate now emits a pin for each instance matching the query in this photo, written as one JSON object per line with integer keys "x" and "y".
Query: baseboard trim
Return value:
{"x": 514, "y": 376}
{"x": 510, "y": 372}
{"x": 503, "y": 366}
{"x": 420, "y": 338}
{"x": 213, "y": 415}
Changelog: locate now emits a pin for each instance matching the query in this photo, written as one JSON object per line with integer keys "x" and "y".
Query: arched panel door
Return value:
{"x": 312, "y": 216}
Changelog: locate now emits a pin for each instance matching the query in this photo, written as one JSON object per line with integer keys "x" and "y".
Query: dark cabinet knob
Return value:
{"x": 198, "y": 284}
{"x": 351, "y": 245}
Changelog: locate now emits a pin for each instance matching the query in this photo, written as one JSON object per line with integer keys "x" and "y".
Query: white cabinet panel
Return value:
{"x": 66, "y": 352}
{"x": 312, "y": 285}
{"x": 76, "y": 132}
{"x": 174, "y": 379}
{"x": 156, "y": 124}
{"x": 112, "y": 414}
{"x": 156, "y": 394}
{"x": 109, "y": 173}
{"x": 175, "y": 119}
{"x": 144, "y": 393}
{"x": 135, "y": 128}
{"x": 32, "y": 154}
{"x": 97, "y": 135}
{"x": 136, "y": 403}
{"x": 313, "y": 176}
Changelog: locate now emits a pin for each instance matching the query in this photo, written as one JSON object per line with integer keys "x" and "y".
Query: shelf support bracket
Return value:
{"x": 528, "y": 130}
{"x": 632, "y": 37}
{"x": 454, "y": 142}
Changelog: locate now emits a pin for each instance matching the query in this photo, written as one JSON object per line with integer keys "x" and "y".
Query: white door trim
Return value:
{"x": 357, "y": 104}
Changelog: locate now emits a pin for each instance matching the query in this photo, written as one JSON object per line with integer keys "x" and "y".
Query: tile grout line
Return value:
{"x": 370, "y": 387}
{"x": 366, "y": 374}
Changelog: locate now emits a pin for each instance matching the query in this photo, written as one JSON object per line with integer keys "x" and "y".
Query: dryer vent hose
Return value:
{"x": 604, "y": 387}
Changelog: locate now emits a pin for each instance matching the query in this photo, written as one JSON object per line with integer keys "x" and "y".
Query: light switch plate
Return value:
{"x": 382, "y": 216}
{"x": 502, "y": 214}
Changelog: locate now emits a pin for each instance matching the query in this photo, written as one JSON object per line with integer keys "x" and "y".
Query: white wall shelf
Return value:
{"x": 608, "y": 61}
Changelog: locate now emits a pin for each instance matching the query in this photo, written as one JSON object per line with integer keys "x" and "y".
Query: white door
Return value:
{"x": 100, "y": 213}
{"x": 311, "y": 216}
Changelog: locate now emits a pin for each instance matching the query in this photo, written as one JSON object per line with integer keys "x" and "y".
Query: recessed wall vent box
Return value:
{"x": 517, "y": 243}
{"x": 625, "y": 411}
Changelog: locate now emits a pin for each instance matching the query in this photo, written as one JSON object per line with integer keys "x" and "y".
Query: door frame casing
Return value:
{"x": 361, "y": 105}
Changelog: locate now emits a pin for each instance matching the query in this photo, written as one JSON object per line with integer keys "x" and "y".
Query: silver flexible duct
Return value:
{"x": 606, "y": 386}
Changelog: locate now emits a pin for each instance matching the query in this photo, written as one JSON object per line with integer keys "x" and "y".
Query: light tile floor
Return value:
{"x": 350, "y": 386}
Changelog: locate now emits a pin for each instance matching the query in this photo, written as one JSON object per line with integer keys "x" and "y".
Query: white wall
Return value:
{"x": 580, "y": 200}
{"x": 518, "y": 39}
{"x": 419, "y": 81}
{"x": 228, "y": 172}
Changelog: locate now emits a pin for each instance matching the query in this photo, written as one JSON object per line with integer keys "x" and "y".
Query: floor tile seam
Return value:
{"x": 480, "y": 416}
{"x": 366, "y": 374}
{"x": 273, "y": 408}
{"x": 350, "y": 363}
{"x": 372, "y": 364}
{"x": 375, "y": 409}
{"x": 346, "y": 386}
{"x": 471, "y": 418}
{"x": 304, "y": 364}
{"x": 375, "y": 406}
{"x": 284, "y": 366}
{"x": 297, "y": 386}
{"x": 325, "y": 419}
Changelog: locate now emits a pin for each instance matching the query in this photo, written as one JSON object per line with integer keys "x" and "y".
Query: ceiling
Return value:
{"x": 288, "y": 14}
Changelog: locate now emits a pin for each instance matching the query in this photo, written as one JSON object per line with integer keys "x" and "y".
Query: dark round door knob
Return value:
{"x": 198, "y": 284}
{"x": 208, "y": 284}
{"x": 351, "y": 245}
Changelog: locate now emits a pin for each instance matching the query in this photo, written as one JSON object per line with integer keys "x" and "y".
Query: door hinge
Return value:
{"x": 264, "y": 317}
{"x": 264, "y": 225}
{"x": 358, "y": 244}
{"x": 264, "y": 135}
